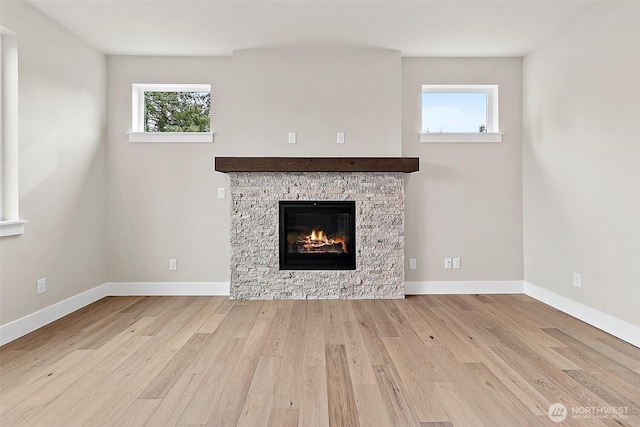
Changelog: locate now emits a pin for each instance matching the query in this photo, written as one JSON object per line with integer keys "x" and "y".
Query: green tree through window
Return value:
{"x": 177, "y": 112}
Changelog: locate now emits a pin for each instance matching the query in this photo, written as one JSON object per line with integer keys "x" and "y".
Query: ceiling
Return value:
{"x": 215, "y": 27}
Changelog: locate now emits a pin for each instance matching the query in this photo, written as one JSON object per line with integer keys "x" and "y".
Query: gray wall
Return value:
{"x": 162, "y": 199}
{"x": 316, "y": 93}
{"x": 89, "y": 224}
{"x": 466, "y": 201}
{"x": 581, "y": 162}
{"x": 62, "y": 185}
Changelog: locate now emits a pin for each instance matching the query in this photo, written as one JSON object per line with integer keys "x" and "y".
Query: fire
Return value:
{"x": 318, "y": 238}
{"x": 342, "y": 242}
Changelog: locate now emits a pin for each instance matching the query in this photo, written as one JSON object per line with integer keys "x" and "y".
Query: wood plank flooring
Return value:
{"x": 454, "y": 360}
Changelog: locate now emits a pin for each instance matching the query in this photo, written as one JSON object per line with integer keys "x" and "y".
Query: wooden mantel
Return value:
{"x": 318, "y": 164}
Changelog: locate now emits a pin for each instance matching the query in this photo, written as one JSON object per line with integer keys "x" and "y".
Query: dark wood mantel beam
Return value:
{"x": 318, "y": 164}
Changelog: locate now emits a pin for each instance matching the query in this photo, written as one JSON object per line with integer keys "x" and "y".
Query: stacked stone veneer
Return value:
{"x": 255, "y": 272}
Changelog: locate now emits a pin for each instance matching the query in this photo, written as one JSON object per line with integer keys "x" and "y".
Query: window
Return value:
{"x": 460, "y": 113}
{"x": 10, "y": 222}
{"x": 171, "y": 113}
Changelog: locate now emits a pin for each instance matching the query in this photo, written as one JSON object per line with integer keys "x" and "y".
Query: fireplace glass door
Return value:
{"x": 317, "y": 235}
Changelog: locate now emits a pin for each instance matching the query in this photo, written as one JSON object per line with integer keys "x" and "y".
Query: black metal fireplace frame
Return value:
{"x": 346, "y": 261}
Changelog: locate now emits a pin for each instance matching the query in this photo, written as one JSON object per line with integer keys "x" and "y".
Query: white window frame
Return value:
{"x": 137, "y": 133}
{"x": 10, "y": 222}
{"x": 492, "y": 134}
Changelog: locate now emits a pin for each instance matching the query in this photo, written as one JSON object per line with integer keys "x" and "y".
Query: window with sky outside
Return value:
{"x": 464, "y": 112}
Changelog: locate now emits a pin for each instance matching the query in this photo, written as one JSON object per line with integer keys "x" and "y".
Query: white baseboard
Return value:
{"x": 37, "y": 320}
{"x": 168, "y": 288}
{"x": 468, "y": 287}
{"x": 616, "y": 327}
{"x": 612, "y": 325}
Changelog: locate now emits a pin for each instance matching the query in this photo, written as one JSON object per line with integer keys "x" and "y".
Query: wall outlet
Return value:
{"x": 42, "y": 286}
{"x": 412, "y": 263}
{"x": 222, "y": 193}
{"x": 340, "y": 138}
{"x": 173, "y": 265}
{"x": 292, "y": 137}
{"x": 456, "y": 263}
{"x": 448, "y": 263}
{"x": 577, "y": 280}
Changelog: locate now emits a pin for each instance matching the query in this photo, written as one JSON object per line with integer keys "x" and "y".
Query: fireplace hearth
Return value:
{"x": 317, "y": 235}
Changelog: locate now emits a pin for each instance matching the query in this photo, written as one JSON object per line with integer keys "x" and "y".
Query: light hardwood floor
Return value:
{"x": 463, "y": 360}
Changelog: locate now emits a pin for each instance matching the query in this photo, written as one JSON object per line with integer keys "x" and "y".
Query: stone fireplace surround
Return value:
{"x": 379, "y": 197}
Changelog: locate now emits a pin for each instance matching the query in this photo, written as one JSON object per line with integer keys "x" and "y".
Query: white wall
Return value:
{"x": 162, "y": 200}
{"x": 581, "y": 161}
{"x": 62, "y": 186}
{"x": 466, "y": 201}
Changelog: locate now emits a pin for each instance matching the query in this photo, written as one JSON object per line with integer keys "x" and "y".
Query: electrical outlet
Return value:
{"x": 412, "y": 263}
{"x": 456, "y": 263}
{"x": 173, "y": 265}
{"x": 340, "y": 138}
{"x": 292, "y": 137}
{"x": 448, "y": 263}
{"x": 222, "y": 193}
{"x": 577, "y": 280}
{"x": 42, "y": 286}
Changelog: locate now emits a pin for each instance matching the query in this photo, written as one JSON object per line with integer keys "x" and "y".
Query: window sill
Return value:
{"x": 12, "y": 228}
{"x": 445, "y": 137}
{"x": 170, "y": 136}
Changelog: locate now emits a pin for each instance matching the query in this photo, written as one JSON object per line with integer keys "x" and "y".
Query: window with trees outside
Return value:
{"x": 460, "y": 113}
{"x": 171, "y": 113}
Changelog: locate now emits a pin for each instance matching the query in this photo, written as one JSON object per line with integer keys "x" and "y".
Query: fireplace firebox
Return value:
{"x": 317, "y": 235}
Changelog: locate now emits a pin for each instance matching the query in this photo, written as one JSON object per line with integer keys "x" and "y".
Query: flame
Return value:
{"x": 342, "y": 242}
{"x": 319, "y": 238}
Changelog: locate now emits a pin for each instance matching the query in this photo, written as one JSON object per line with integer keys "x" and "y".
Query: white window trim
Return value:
{"x": 137, "y": 133}
{"x": 170, "y": 136}
{"x": 10, "y": 222}
{"x": 453, "y": 137}
{"x": 12, "y": 228}
{"x": 492, "y": 134}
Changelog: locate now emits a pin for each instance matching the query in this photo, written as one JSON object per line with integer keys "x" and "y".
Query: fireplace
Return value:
{"x": 317, "y": 235}
{"x": 375, "y": 187}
